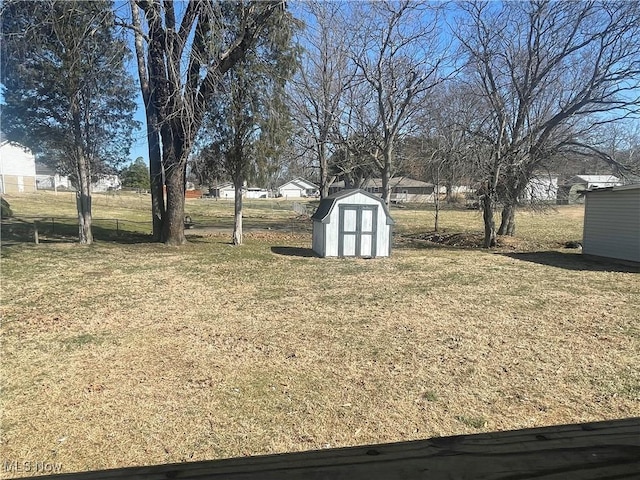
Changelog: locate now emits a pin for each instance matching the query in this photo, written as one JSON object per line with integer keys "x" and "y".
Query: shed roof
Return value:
{"x": 326, "y": 204}
{"x": 617, "y": 188}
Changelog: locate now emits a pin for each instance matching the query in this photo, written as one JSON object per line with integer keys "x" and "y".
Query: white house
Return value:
{"x": 541, "y": 188}
{"x": 572, "y": 190}
{"x": 106, "y": 183}
{"x": 254, "y": 192}
{"x": 227, "y": 190}
{"x": 17, "y": 168}
{"x": 403, "y": 189}
{"x": 612, "y": 223}
{"x": 352, "y": 223}
{"x": 595, "y": 181}
{"x": 298, "y": 188}
{"x": 48, "y": 179}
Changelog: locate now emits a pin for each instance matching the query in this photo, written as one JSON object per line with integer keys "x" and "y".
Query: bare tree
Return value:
{"x": 183, "y": 49}
{"x": 548, "y": 72}
{"x": 400, "y": 58}
{"x": 325, "y": 75}
{"x": 442, "y": 145}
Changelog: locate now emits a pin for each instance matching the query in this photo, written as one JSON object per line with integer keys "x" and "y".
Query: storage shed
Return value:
{"x": 352, "y": 223}
{"x": 612, "y": 223}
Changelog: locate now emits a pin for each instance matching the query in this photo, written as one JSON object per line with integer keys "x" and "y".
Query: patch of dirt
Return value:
{"x": 472, "y": 240}
{"x": 475, "y": 240}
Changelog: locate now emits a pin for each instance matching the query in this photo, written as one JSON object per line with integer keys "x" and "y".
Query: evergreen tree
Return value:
{"x": 136, "y": 175}
{"x": 248, "y": 125}
{"x": 67, "y": 94}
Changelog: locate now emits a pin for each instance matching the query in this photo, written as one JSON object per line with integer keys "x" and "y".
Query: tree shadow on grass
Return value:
{"x": 401, "y": 241}
{"x": 294, "y": 251}
{"x": 573, "y": 261}
{"x": 16, "y": 231}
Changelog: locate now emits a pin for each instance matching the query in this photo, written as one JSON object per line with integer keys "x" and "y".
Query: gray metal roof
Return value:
{"x": 617, "y": 188}
{"x": 327, "y": 204}
{"x": 394, "y": 182}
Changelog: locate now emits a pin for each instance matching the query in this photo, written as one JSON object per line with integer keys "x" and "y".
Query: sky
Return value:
{"x": 139, "y": 147}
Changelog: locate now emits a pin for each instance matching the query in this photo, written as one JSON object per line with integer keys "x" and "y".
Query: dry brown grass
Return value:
{"x": 116, "y": 355}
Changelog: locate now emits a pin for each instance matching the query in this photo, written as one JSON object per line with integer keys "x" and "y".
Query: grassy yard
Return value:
{"x": 122, "y": 354}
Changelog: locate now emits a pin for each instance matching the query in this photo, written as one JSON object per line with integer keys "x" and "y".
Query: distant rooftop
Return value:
{"x": 393, "y": 182}
{"x": 598, "y": 178}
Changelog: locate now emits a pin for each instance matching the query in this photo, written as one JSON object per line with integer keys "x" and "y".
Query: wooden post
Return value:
{"x": 35, "y": 232}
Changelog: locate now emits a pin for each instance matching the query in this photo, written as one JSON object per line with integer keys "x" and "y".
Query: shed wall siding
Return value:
{"x": 612, "y": 224}
{"x": 331, "y": 244}
{"x": 318, "y": 238}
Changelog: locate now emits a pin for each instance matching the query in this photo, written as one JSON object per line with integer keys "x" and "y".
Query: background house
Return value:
{"x": 571, "y": 190}
{"x": 403, "y": 189}
{"x": 612, "y": 223}
{"x": 228, "y": 191}
{"x": 298, "y": 188}
{"x": 17, "y": 168}
{"x": 541, "y": 188}
{"x": 222, "y": 190}
{"x": 48, "y": 179}
{"x": 106, "y": 183}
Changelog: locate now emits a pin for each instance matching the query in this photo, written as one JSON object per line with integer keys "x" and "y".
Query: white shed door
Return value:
{"x": 357, "y": 230}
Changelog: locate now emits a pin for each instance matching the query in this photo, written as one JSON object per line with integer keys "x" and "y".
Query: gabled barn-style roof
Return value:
{"x": 326, "y": 204}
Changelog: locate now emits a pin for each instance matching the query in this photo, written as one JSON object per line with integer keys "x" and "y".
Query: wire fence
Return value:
{"x": 38, "y": 228}
{"x": 33, "y": 228}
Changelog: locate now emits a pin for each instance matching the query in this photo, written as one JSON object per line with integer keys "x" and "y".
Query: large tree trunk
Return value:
{"x": 237, "y": 212}
{"x": 508, "y": 221}
{"x": 513, "y": 191}
{"x": 436, "y": 203}
{"x": 489, "y": 223}
{"x": 153, "y": 132}
{"x": 324, "y": 171}
{"x": 156, "y": 180}
{"x": 83, "y": 201}
{"x": 173, "y": 225}
{"x": 448, "y": 185}
{"x": 386, "y": 177}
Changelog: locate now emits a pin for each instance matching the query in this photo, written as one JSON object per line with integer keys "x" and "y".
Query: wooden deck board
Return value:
{"x": 602, "y": 450}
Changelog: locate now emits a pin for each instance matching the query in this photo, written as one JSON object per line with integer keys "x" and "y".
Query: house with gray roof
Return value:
{"x": 403, "y": 189}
